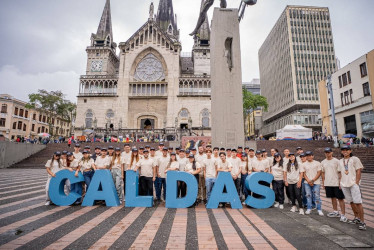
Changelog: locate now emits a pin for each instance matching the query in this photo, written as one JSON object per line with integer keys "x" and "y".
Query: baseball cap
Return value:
{"x": 302, "y": 155}
{"x": 85, "y": 152}
{"x": 146, "y": 151}
{"x": 104, "y": 149}
{"x": 291, "y": 153}
{"x": 153, "y": 149}
{"x": 251, "y": 149}
{"x": 134, "y": 150}
{"x": 298, "y": 148}
{"x": 64, "y": 152}
{"x": 110, "y": 147}
{"x": 69, "y": 154}
{"x": 263, "y": 150}
{"x": 117, "y": 149}
{"x": 87, "y": 147}
{"x": 58, "y": 153}
{"x": 244, "y": 155}
{"x": 77, "y": 145}
{"x": 328, "y": 150}
{"x": 191, "y": 156}
{"x": 308, "y": 153}
{"x": 258, "y": 152}
{"x": 346, "y": 148}
{"x": 165, "y": 148}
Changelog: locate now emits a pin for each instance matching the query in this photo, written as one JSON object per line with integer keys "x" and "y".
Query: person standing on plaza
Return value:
{"x": 159, "y": 151}
{"x": 286, "y": 153}
{"x": 77, "y": 154}
{"x": 194, "y": 168}
{"x": 183, "y": 161}
{"x": 147, "y": 173}
{"x": 330, "y": 181}
{"x": 87, "y": 166}
{"x": 117, "y": 170}
{"x": 266, "y": 157}
{"x": 52, "y": 166}
{"x": 240, "y": 151}
{"x": 110, "y": 151}
{"x": 64, "y": 158}
{"x": 126, "y": 157}
{"x": 350, "y": 168}
{"x": 312, "y": 170}
{"x": 251, "y": 156}
{"x": 102, "y": 162}
{"x": 200, "y": 158}
{"x": 236, "y": 170}
{"x": 303, "y": 193}
{"x": 210, "y": 172}
{"x": 216, "y": 153}
{"x": 293, "y": 182}
{"x": 173, "y": 164}
{"x": 278, "y": 183}
{"x": 223, "y": 165}
{"x": 161, "y": 166}
{"x": 260, "y": 164}
{"x": 246, "y": 169}
{"x": 72, "y": 165}
{"x": 299, "y": 151}
{"x": 228, "y": 153}
{"x": 97, "y": 153}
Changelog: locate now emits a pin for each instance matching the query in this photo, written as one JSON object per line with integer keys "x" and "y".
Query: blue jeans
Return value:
{"x": 88, "y": 177}
{"x": 209, "y": 182}
{"x": 313, "y": 195}
{"x": 77, "y": 188}
{"x": 160, "y": 183}
{"x": 244, "y": 189}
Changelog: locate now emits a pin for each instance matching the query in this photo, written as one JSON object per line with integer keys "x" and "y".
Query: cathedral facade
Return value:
{"x": 149, "y": 84}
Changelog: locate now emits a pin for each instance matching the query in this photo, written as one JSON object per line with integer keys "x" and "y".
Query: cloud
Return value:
{"x": 19, "y": 84}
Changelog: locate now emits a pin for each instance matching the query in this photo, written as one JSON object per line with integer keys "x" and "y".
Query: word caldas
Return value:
{"x": 102, "y": 188}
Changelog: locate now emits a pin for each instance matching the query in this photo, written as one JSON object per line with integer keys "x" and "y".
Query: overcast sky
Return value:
{"x": 43, "y": 42}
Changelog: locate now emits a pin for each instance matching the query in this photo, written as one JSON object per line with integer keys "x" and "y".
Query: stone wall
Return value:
{"x": 12, "y": 153}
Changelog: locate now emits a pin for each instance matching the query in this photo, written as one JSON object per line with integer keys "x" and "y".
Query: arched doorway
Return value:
{"x": 147, "y": 123}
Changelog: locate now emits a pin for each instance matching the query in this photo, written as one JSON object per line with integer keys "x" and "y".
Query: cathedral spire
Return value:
{"x": 204, "y": 31}
{"x": 165, "y": 17}
{"x": 105, "y": 25}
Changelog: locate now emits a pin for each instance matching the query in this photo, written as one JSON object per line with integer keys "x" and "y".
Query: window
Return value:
{"x": 184, "y": 113}
{"x": 19, "y": 125}
{"x": 349, "y": 77}
{"x": 110, "y": 113}
{"x": 366, "y": 89}
{"x": 363, "y": 70}
{"x": 340, "y": 82}
{"x": 40, "y": 118}
{"x": 24, "y": 127}
{"x": 14, "y": 125}
{"x": 350, "y": 95}
{"x": 4, "y": 108}
{"x": 21, "y": 112}
{"x": 89, "y": 116}
{"x": 38, "y": 130}
{"x": 344, "y": 78}
{"x": 33, "y": 127}
{"x": 53, "y": 121}
{"x": 34, "y": 116}
{"x": 346, "y": 97}
{"x": 205, "y": 118}
{"x": 2, "y": 122}
{"x": 15, "y": 111}
{"x": 342, "y": 98}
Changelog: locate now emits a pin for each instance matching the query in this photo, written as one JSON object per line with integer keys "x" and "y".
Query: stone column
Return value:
{"x": 226, "y": 77}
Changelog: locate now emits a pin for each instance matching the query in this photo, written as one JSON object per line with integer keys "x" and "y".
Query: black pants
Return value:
{"x": 182, "y": 189}
{"x": 264, "y": 184}
{"x": 147, "y": 186}
{"x": 295, "y": 194}
{"x": 237, "y": 185}
{"x": 278, "y": 187}
{"x": 124, "y": 183}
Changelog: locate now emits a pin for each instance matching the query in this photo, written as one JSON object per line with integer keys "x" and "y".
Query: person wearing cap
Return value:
{"x": 303, "y": 193}
{"x": 102, "y": 162}
{"x": 161, "y": 166}
{"x": 286, "y": 153}
{"x": 152, "y": 154}
{"x": 87, "y": 166}
{"x": 223, "y": 165}
{"x": 215, "y": 153}
{"x": 177, "y": 150}
{"x": 222, "y": 150}
{"x": 173, "y": 164}
{"x": 117, "y": 170}
{"x": 72, "y": 165}
{"x": 159, "y": 151}
{"x": 265, "y": 157}
{"x": 88, "y": 149}
{"x": 194, "y": 168}
{"x": 236, "y": 169}
{"x": 141, "y": 152}
{"x": 200, "y": 158}
{"x": 293, "y": 182}
{"x": 251, "y": 156}
{"x": 246, "y": 150}
{"x": 52, "y": 166}
{"x": 110, "y": 151}
{"x": 278, "y": 184}
{"x": 210, "y": 172}
{"x": 330, "y": 180}
{"x": 260, "y": 164}
{"x": 97, "y": 153}
{"x": 148, "y": 174}
{"x": 299, "y": 151}
{"x": 312, "y": 170}
{"x": 77, "y": 154}
{"x": 130, "y": 164}
{"x": 228, "y": 153}
{"x": 126, "y": 154}
{"x": 350, "y": 168}
{"x": 183, "y": 160}
{"x": 64, "y": 158}
{"x": 170, "y": 150}
{"x": 246, "y": 169}
{"x": 240, "y": 151}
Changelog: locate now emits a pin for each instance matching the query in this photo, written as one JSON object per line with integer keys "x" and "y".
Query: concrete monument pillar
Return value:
{"x": 226, "y": 77}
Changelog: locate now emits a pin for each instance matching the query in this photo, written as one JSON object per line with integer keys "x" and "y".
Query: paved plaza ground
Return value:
{"x": 25, "y": 223}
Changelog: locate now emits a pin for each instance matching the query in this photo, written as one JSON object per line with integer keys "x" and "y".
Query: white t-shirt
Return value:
{"x": 235, "y": 166}
{"x": 86, "y": 165}
{"x": 210, "y": 168}
{"x": 162, "y": 164}
{"x": 277, "y": 172}
{"x": 330, "y": 168}
{"x": 102, "y": 162}
{"x": 146, "y": 167}
{"x": 53, "y": 167}
{"x": 174, "y": 164}
{"x": 311, "y": 169}
{"x": 245, "y": 167}
{"x": 293, "y": 176}
{"x": 132, "y": 165}
{"x": 189, "y": 167}
{"x": 200, "y": 159}
{"x": 353, "y": 163}
{"x": 224, "y": 165}
{"x": 261, "y": 165}
{"x": 182, "y": 163}
{"x": 126, "y": 156}
{"x": 118, "y": 164}
{"x": 78, "y": 156}
{"x": 74, "y": 164}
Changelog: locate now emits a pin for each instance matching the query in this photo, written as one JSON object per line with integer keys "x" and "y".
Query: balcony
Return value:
{"x": 98, "y": 85}
{"x": 194, "y": 92}
{"x": 194, "y": 86}
{"x": 148, "y": 90}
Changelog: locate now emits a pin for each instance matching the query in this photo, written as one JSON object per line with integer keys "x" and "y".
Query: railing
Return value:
{"x": 194, "y": 92}
{"x": 156, "y": 89}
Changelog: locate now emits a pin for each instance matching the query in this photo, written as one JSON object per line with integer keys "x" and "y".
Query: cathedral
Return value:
{"x": 146, "y": 83}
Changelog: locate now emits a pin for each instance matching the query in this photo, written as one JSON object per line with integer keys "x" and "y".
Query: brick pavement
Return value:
{"x": 26, "y": 223}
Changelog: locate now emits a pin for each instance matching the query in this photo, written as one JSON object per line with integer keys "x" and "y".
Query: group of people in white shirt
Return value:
{"x": 297, "y": 176}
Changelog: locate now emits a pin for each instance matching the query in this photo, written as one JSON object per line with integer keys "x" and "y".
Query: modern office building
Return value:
{"x": 297, "y": 54}
{"x": 253, "y": 86}
{"x": 352, "y": 87}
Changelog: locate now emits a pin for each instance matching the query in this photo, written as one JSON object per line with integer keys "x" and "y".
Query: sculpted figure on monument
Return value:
{"x": 206, "y": 6}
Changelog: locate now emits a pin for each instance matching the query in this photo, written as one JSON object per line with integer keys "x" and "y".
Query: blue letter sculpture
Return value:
{"x": 108, "y": 193}
{"x": 224, "y": 179}
{"x": 132, "y": 191}
{"x": 252, "y": 183}
{"x": 172, "y": 201}
{"x": 56, "y": 188}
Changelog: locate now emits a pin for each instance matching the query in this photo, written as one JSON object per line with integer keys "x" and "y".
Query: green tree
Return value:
{"x": 52, "y": 103}
{"x": 252, "y": 102}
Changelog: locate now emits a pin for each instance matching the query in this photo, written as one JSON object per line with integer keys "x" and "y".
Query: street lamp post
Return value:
{"x": 334, "y": 130}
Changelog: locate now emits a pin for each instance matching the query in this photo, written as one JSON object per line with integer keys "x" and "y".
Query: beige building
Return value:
{"x": 253, "y": 123}
{"x": 148, "y": 84}
{"x": 297, "y": 54}
{"x": 353, "y": 100}
{"x": 16, "y": 121}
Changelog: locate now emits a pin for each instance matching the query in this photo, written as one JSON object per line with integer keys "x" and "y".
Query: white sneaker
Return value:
{"x": 308, "y": 211}
{"x": 281, "y": 206}
{"x": 47, "y": 203}
{"x": 293, "y": 209}
{"x": 301, "y": 211}
{"x": 276, "y": 204}
{"x": 343, "y": 218}
{"x": 320, "y": 213}
{"x": 243, "y": 203}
